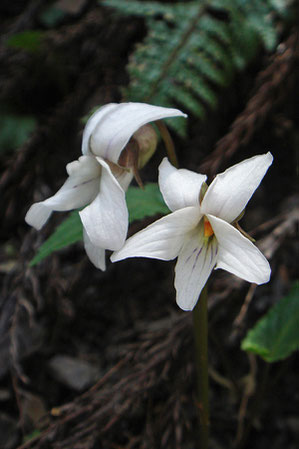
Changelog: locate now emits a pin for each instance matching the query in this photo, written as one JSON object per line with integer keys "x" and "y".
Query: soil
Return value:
{"x": 92, "y": 359}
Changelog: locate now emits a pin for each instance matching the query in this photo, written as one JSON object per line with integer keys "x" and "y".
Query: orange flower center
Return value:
{"x": 208, "y": 230}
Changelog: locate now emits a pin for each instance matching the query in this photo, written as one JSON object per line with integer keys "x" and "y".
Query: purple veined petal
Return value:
{"x": 163, "y": 239}
{"x": 194, "y": 266}
{"x": 96, "y": 255}
{"x": 106, "y": 218}
{"x": 79, "y": 189}
{"x": 179, "y": 187}
{"x": 238, "y": 255}
{"x": 231, "y": 190}
{"x": 108, "y": 130}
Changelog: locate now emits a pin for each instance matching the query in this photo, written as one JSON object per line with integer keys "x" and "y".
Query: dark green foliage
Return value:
{"x": 192, "y": 49}
{"x": 30, "y": 40}
{"x": 14, "y": 130}
{"x": 276, "y": 335}
{"x": 70, "y": 231}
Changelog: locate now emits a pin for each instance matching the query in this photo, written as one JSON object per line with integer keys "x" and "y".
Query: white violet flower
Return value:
{"x": 99, "y": 178}
{"x": 201, "y": 230}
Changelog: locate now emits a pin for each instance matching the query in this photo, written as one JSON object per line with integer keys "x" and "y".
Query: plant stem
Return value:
{"x": 168, "y": 142}
{"x": 200, "y": 325}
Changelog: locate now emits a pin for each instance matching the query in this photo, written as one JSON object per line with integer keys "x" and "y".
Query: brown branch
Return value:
{"x": 270, "y": 89}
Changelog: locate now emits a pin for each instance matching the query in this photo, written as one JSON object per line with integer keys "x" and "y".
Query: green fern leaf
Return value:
{"x": 193, "y": 49}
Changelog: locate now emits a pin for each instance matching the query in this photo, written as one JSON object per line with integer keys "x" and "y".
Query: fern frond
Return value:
{"x": 192, "y": 49}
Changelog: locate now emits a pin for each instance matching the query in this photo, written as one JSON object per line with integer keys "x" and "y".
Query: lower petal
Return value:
{"x": 106, "y": 218}
{"x": 163, "y": 239}
{"x": 238, "y": 255}
{"x": 96, "y": 255}
{"x": 195, "y": 263}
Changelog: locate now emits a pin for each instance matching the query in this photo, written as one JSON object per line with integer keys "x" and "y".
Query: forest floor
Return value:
{"x": 92, "y": 359}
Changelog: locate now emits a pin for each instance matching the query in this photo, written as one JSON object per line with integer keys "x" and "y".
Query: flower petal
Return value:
{"x": 195, "y": 263}
{"x": 95, "y": 254}
{"x": 79, "y": 189}
{"x": 110, "y": 128}
{"x": 238, "y": 255}
{"x": 106, "y": 218}
{"x": 179, "y": 187}
{"x": 231, "y": 190}
{"x": 162, "y": 239}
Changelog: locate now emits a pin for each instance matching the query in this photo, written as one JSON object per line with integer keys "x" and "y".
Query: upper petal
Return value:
{"x": 106, "y": 218}
{"x": 79, "y": 189}
{"x": 110, "y": 128}
{"x": 238, "y": 255}
{"x": 162, "y": 239}
{"x": 231, "y": 190}
{"x": 179, "y": 187}
{"x": 195, "y": 263}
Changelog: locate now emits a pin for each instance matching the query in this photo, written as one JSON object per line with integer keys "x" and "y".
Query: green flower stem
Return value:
{"x": 168, "y": 142}
{"x": 200, "y": 325}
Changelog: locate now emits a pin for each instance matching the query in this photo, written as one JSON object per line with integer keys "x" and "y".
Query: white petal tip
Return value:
{"x": 37, "y": 215}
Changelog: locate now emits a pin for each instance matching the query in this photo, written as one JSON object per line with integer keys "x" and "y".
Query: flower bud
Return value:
{"x": 147, "y": 140}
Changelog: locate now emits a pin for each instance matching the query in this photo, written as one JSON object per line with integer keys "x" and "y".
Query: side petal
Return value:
{"x": 163, "y": 239}
{"x": 106, "y": 218}
{"x": 238, "y": 255}
{"x": 79, "y": 189}
{"x": 96, "y": 255}
{"x": 179, "y": 187}
{"x": 110, "y": 128}
{"x": 231, "y": 190}
{"x": 195, "y": 263}
{"x": 37, "y": 215}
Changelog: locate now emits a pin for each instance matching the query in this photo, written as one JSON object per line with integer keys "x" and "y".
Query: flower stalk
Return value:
{"x": 200, "y": 328}
{"x": 168, "y": 142}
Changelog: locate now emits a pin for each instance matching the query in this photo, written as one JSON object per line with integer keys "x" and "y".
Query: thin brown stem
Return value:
{"x": 168, "y": 142}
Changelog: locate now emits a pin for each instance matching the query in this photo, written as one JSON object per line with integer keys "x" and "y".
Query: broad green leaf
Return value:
{"x": 141, "y": 203}
{"x": 276, "y": 335}
{"x": 15, "y": 130}
{"x": 68, "y": 232}
{"x": 146, "y": 202}
{"x": 30, "y": 40}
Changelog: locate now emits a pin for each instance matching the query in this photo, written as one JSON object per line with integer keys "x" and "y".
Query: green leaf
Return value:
{"x": 68, "y": 232}
{"x": 15, "y": 130}
{"x": 52, "y": 16}
{"x": 192, "y": 50}
{"x": 276, "y": 335}
{"x": 30, "y": 40}
{"x": 145, "y": 203}
{"x": 141, "y": 203}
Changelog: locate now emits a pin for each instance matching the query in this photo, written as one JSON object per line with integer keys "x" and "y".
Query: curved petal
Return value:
{"x": 96, "y": 255}
{"x": 109, "y": 129}
{"x": 195, "y": 263}
{"x": 91, "y": 125}
{"x": 79, "y": 189}
{"x": 231, "y": 190}
{"x": 238, "y": 255}
{"x": 163, "y": 239}
{"x": 106, "y": 218}
{"x": 179, "y": 187}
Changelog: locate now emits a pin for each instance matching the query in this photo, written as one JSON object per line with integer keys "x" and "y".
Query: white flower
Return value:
{"x": 201, "y": 232}
{"x": 97, "y": 181}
